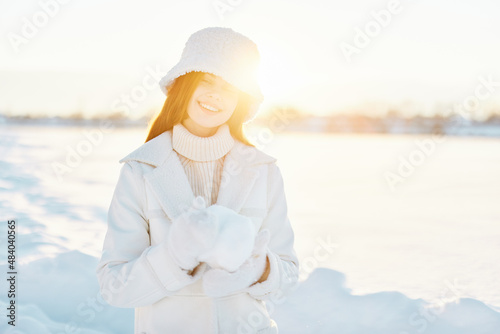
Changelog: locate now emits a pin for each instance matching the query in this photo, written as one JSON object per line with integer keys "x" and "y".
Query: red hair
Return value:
{"x": 174, "y": 109}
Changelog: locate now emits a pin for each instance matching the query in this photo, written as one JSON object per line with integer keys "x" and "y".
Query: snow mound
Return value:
{"x": 322, "y": 304}
{"x": 70, "y": 302}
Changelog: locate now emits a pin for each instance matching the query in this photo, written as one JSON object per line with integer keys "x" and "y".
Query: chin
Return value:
{"x": 208, "y": 123}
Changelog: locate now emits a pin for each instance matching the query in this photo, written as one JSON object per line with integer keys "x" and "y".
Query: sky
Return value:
{"x": 58, "y": 57}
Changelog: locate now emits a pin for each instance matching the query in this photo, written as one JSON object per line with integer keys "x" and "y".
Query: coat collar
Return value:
{"x": 170, "y": 184}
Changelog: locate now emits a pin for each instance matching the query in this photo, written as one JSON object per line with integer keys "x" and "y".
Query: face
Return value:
{"x": 212, "y": 104}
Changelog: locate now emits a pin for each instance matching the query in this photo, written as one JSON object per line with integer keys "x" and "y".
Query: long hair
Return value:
{"x": 174, "y": 109}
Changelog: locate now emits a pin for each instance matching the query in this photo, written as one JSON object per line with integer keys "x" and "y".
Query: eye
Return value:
{"x": 231, "y": 89}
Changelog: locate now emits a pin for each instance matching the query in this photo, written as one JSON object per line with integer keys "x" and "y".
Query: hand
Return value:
{"x": 191, "y": 234}
{"x": 219, "y": 282}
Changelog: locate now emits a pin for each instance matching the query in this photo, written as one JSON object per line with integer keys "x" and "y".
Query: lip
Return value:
{"x": 210, "y": 112}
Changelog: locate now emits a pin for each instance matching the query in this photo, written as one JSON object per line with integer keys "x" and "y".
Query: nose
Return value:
{"x": 215, "y": 95}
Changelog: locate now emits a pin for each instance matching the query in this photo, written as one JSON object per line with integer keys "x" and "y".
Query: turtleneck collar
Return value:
{"x": 202, "y": 148}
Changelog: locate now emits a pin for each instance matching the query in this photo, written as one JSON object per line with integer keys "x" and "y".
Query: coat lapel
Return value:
{"x": 238, "y": 178}
{"x": 170, "y": 184}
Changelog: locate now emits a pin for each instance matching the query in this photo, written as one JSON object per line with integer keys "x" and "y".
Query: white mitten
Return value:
{"x": 235, "y": 238}
{"x": 219, "y": 282}
{"x": 191, "y": 234}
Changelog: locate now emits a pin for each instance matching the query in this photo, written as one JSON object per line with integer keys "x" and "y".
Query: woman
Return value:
{"x": 198, "y": 236}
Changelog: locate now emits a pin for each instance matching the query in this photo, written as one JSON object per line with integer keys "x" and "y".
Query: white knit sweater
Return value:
{"x": 203, "y": 158}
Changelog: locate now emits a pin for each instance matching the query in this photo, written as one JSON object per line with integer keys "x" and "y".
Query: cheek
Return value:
{"x": 191, "y": 107}
{"x": 232, "y": 103}
{"x": 193, "y": 103}
{"x": 198, "y": 92}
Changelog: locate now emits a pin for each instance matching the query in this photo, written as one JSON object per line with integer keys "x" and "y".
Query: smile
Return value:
{"x": 208, "y": 107}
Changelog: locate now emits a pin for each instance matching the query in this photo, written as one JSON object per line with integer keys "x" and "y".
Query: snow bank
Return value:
{"x": 60, "y": 295}
{"x": 322, "y": 304}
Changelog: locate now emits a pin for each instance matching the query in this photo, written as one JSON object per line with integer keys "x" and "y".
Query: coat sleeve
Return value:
{"x": 284, "y": 265}
{"x": 131, "y": 272}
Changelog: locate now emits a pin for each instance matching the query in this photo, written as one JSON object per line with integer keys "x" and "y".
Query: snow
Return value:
{"x": 224, "y": 238}
{"x": 419, "y": 259}
{"x": 232, "y": 245}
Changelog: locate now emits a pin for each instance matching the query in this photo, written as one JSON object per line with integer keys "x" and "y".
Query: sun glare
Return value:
{"x": 279, "y": 76}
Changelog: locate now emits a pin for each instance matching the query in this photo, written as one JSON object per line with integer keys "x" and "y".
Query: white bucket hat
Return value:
{"x": 225, "y": 53}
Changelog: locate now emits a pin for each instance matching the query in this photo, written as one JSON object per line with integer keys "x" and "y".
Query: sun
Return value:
{"x": 279, "y": 74}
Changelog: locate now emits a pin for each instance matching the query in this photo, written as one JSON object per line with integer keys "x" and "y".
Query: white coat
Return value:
{"x": 135, "y": 269}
